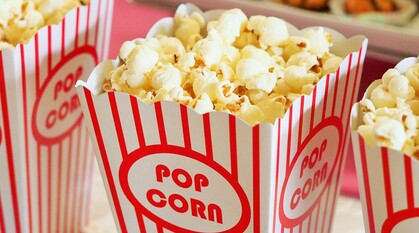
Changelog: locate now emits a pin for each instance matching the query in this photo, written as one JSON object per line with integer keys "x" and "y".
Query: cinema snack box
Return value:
{"x": 387, "y": 178}
{"x": 168, "y": 168}
{"x": 46, "y": 156}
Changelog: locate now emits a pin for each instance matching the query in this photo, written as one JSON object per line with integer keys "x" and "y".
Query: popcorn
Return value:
{"x": 271, "y": 31}
{"x": 390, "y": 114}
{"x": 320, "y": 41}
{"x": 229, "y": 25}
{"x": 143, "y": 60}
{"x": 251, "y": 68}
{"x": 21, "y": 19}
{"x": 167, "y": 77}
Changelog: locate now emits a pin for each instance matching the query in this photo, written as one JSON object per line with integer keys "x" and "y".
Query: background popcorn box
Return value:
{"x": 45, "y": 153}
{"x": 167, "y": 168}
{"x": 388, "y": 179}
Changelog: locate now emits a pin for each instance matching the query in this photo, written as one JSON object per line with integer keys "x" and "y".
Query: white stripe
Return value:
{"x": 220, "y": 135}
{"x": 415, "y": 181}
{"x": 173, "y": 123}
{"x": 196, "y": 130}
{"x": 268, "y": 160}
{"x": 245, "y": 163}
{"x": 127, "y": 116}
{"x": 397, "y": 181}
{"x": 375, "y": 171}
{"x": 148, "y": 117}
{"x": 92, "y": 21}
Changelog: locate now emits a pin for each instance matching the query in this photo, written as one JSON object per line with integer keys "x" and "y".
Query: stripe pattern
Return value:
{"x": 257, "y": 158}
{"x": 389, "y": 187}
{"x": 45, "y": 187}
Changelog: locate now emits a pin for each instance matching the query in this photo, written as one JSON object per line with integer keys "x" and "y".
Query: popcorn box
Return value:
{"x": 168, "y": 168}
{"x": 45, "y": 153}
{"x": 387, "y": 178}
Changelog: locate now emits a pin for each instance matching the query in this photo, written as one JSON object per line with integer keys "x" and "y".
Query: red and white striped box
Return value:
{"x": 388, "y": 180}
{"x": 168, "y": 169}
{"x": 46, "y": 156}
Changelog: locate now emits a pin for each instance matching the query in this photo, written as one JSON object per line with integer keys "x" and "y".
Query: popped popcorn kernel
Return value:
{"x": 249, "y": 67}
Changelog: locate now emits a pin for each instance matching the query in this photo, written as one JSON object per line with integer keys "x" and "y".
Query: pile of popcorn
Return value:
{"x": 249, "y": 67}
{"x": 390, "y": 115}
{"x": 21, "y": 19}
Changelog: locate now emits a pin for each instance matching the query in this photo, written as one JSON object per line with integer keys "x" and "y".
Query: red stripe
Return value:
{"x": 84, "y": 178}
{"x": 159, "y": 229}
{"x": 409, "y": 182}
{"x": 185, "y": 126}
{"x": 317, "y": 216}
{"x": 366, "y": 184}
{"x": 60, "y": 161}
{"x": 313, "y": 107}
{"x": 233, "y": 147}
{"x": 325, "y": 209}
{"x": 25, "y": 128}
{"x": 49, "y": 178}
{"x": 208, "y": 139}
{"x": 76, "y": 181}
{"x": 137, "y": 120}
{"x": 118, "y": 125}
{"x": 105, "y": 31}
{"x": 301, "y": 121}
{"x": 67, "y": 182}
{"x": 89, "y": 188}
{"x": 97, "y": 23}
{"x": 9, "y": 150}
{"x": 105, "y": 160}
{"x": 326, "y": 94}
{"x": 357, "y": 75}
{"x": 348, "y": 75}
{"x": 2, "y": 222}
{"x": 336, "y": 90}
{"x": 387, "y": 181}
{"x": 49, "y": 49}
{"x": 38, "y": 159}
{"x": 309, "y": 221}
{"x": 289, "y": 139}
{"x": 37, "y": 92}
{"x": 37, "y": 75}
{"x": 76, "y": 39}
{"x": 87, "y": 25}
{"x": 2, "y": 227}
{"x": 256, "y": 178}
{"x": 160, "y": 123}
{"x": 278, "y": 158}
{"x": 63, "y": 38}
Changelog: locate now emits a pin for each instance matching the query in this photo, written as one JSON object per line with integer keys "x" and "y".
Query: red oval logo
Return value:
{"x": 182, "y": 191}
{"x": 57, "y": 110}
{"x": 310, "y": 171}
{"x": 402, "y": 221}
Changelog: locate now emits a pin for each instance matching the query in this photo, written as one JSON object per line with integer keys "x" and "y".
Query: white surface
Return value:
{"x": 348, "y": 216}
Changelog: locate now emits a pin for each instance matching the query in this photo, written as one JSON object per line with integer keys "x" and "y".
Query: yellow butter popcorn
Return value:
{"x": 390, "y": 114}
{"x": 249, "y": 67}
{"x": 21, "y": 19}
